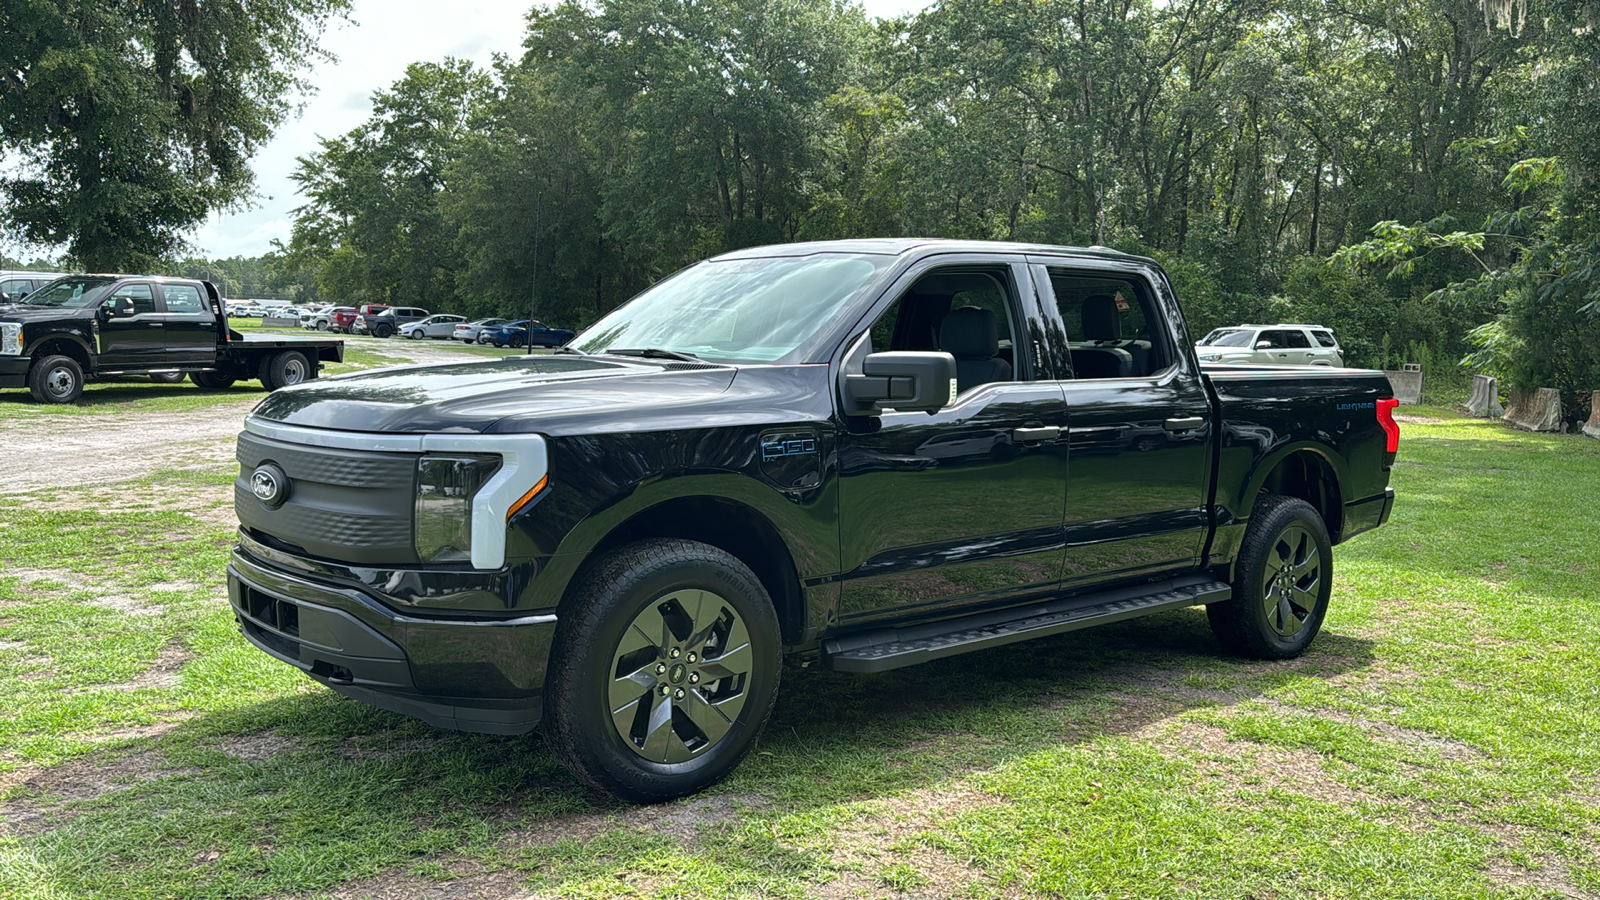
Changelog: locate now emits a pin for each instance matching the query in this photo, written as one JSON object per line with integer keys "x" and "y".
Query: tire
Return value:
{"x": 677, "y": 589}
{"x": 322, "y": 326}
{"x": 382, "y": 331}
{"x": 416, "y": 334}
{"x": 167, "y": 377}
{"x": 212, "y": 381}
{"x": 286, "y": 368}
{"x": 1282, "y": 582}
{"x": 515, "y": 342}
{"x": 55, "y": 379}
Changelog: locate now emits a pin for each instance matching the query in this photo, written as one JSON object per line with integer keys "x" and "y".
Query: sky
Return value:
{"x": 373, "y": 50}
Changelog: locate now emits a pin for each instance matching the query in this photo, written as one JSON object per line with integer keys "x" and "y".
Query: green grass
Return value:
{"x": 1438, "y": 741}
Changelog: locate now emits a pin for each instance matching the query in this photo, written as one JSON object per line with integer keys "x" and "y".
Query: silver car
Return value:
{"x": 439, "y": 326}
{"x": 468, "y": 331}
{"x": 1281, "y": 345}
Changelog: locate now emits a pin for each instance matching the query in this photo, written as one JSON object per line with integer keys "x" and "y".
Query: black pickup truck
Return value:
{"x": 83, "y": 327}
{"x": 859, "y": 454}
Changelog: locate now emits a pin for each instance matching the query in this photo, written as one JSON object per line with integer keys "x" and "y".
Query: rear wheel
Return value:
{"x": 382, "y": 330}
{"x": 212, "y": 381}
{"x": 55, "y": 379}
{"x": 516, "y": 342}
{"x": 664, "y": 672}
{"x": 286, "y": 368}
{"x": 167, "y": 377}
{"x": 1282, "y": 582}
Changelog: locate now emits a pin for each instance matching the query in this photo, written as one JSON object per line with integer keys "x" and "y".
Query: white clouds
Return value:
{"x": 373, "y": 51}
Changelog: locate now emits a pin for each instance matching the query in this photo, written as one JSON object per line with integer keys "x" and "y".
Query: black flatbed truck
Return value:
{"x": 81, "y": 328}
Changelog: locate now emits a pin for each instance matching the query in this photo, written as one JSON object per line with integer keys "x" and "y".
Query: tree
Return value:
{"x": 133, "y": 121}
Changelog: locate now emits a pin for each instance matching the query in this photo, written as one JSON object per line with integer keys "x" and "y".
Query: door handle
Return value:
{"x": 152, "y": 324}
{"x": 1188, "y": 424}
{"x": 1034, "y": 435}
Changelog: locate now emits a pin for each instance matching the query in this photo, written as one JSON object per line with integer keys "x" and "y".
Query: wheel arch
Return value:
{"x": 1305, "y": 471}
{"x": 64, "y": 344}
{"x": 722, "y": 522}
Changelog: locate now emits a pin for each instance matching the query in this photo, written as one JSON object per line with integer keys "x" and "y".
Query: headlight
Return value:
{"x": 1210, "y": 357}
{"x": 10, "y": 338}
{"x": 445, "y": 487}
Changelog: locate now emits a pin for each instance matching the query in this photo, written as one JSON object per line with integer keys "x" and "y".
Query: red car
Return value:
{"x": 345, "y": 316}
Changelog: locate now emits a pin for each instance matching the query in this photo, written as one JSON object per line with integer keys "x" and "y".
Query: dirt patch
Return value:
{"x": 40, "y": 794}
{"x": 256, "y": 747}
{"x": 1406, "y": 418}
{"x": 1247, "y": 765}
{"x": 118, "y": 446}
{"x": 73, "y": 583}
{"x": 162, "y": 674}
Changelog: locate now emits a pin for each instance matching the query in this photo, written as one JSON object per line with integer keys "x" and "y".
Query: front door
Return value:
{"x": 1141, "y": 429}
{"x": 961, "y": 508}
{"x": 191, "y": 329}
{"x": 133, "y": 335}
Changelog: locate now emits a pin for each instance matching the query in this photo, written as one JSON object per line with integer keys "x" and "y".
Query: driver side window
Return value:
{"x": 968, "y": 313}
{"x": 144, "y": 299}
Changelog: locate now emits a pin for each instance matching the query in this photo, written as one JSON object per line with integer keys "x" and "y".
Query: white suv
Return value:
{"x": 1278, "y": 345}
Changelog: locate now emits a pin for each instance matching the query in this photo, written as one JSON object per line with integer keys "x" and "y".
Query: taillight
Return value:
{"x": 1386, "y": 421}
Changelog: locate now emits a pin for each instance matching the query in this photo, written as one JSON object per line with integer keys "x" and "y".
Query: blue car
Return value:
{"x": 516, "y": 334}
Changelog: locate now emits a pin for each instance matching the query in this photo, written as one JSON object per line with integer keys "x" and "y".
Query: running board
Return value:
{"x": 891, "y": 648}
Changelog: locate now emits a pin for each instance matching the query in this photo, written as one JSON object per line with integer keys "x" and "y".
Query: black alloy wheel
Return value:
{"x": 664, "y": 671}
{"x": 1282, "y": 582}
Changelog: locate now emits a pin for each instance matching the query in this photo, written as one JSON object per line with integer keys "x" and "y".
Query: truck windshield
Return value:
{"x": 1234, "y": 338}
{"x": 752, "y": 310}
{"x": 78, "y": 292}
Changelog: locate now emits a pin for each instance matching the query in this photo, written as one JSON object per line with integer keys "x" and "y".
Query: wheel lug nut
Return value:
{"x": 678, "y": 694}
{"x": 694, "y": 677}
{"x": 674, "y": 652}
{"x": 661, "y": 668}
{"x": 693, "y": 657}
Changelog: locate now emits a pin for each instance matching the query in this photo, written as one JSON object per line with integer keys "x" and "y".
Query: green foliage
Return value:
{"x": 134, "y": 121}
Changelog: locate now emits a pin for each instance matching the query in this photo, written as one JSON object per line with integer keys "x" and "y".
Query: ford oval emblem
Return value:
{"x": 270, "y": 485}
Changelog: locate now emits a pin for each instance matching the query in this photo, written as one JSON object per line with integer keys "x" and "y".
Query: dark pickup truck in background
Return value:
{"x": 859, "y": 454}
{"x": 83, "y": 327}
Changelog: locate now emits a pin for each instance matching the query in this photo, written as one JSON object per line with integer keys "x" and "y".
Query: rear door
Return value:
{"x": 1140, "y": 444}
{"x": 134, "y": 340}
{"x": 190, "y": 328}
{"x": 960, "y": 508}
{"x": 1281, "y": 349}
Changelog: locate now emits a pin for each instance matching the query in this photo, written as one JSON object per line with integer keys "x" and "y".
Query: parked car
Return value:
{"x": 345, "y": 319}
{"x": 468, "y": 332}
{"x": 387, "y": 322}
{"x": 1281, "y": 345}
{"x": 517, "y": 334}
{"x": 16, "y": 286}
{"x": 85, "y": 327}
{"x": 321, "y": 318}
{"x": 628, "y": 539}
{"x": 438, "y": 327}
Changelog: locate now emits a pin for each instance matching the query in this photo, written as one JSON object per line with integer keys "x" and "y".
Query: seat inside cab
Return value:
{"x": 964, "y": 314}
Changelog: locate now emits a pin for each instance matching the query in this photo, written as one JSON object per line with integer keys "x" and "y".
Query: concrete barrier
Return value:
{"x": 1538, "y": 411}
{"x": 1592, "y": 427}
{"x": 1485, "y": 399}
{"x": 280, "y": 322}
{"x": 1407, "y": 386}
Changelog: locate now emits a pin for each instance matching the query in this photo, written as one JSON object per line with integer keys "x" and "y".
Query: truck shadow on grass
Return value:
{"x": 305, "y": 792}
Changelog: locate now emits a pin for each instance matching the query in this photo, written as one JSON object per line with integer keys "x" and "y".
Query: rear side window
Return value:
{"x": 1324, "y": 338}
{"x": 1297, "y": 339}
{"x": 182, "y": 298}
{"x": 1110, "y": 324}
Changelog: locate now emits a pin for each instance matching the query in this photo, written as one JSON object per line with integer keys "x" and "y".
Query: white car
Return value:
{"x": 436, "y": 326}
{"x": 1277, "y": 345}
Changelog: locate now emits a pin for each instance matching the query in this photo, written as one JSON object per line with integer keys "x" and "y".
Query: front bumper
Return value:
{"x": 14, "y": 371}
{"x": 483, "y": 675}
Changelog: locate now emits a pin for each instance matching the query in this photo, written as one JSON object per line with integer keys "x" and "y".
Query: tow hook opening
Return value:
{"x": 325, "y": 669}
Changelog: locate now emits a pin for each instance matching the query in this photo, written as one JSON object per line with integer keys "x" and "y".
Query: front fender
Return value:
{"x": 49, "y": 333}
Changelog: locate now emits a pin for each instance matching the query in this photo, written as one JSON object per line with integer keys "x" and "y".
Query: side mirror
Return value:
{"x": 119, "y": 306}
{"x": 902, "y": 380}
{"x": 1263, "y": 345}
{"x": 7, "y": 298}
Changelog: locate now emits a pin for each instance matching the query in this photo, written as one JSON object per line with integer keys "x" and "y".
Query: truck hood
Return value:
{"x": 475, "y": 396}
{"x": 21, "y": 312}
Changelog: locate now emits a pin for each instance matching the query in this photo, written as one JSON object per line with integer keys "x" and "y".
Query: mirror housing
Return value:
{"x": 5, "y": 297}
{"x": 118, "y": 306}
{"x": 903, "y": 380}
{"x": 1263, "y": 345}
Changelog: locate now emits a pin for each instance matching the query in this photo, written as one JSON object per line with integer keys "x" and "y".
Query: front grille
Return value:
{"x": 350, "y": 506}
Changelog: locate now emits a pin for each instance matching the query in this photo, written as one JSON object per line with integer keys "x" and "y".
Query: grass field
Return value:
{"x": 1439, "y": 741}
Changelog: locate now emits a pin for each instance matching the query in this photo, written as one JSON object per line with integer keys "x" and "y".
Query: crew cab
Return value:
{"x": 859, "y": 454}
{"x": 83, "y": 327}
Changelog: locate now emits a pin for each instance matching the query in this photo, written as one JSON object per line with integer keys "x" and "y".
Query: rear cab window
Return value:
{"x": 1112, "y": 324}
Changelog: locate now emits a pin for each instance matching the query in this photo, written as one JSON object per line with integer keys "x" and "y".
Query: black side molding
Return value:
{"x": 891, "y": 648}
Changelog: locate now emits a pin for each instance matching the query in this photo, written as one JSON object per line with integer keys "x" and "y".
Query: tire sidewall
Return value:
{"x": 1274, "y": 520}
{"x": 41, "y": 372}
{"x": 582, "y": 671}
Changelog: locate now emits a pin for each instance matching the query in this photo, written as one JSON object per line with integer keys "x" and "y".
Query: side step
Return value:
{"x": 891, "y": 648}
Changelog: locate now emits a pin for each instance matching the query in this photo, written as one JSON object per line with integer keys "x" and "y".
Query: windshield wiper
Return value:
{"x": 573, "y": 350}
{"x": 655, "y": 353}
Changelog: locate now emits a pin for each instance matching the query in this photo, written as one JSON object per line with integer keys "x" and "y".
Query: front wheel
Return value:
{"x": 417, "y": 335}
{"x": 55, "y": 379}
{"x": 664, "y": 671}
{"x": 1282, "y": 582}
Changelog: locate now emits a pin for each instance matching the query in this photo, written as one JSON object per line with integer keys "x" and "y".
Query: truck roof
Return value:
{"x": 902, "y": 246}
